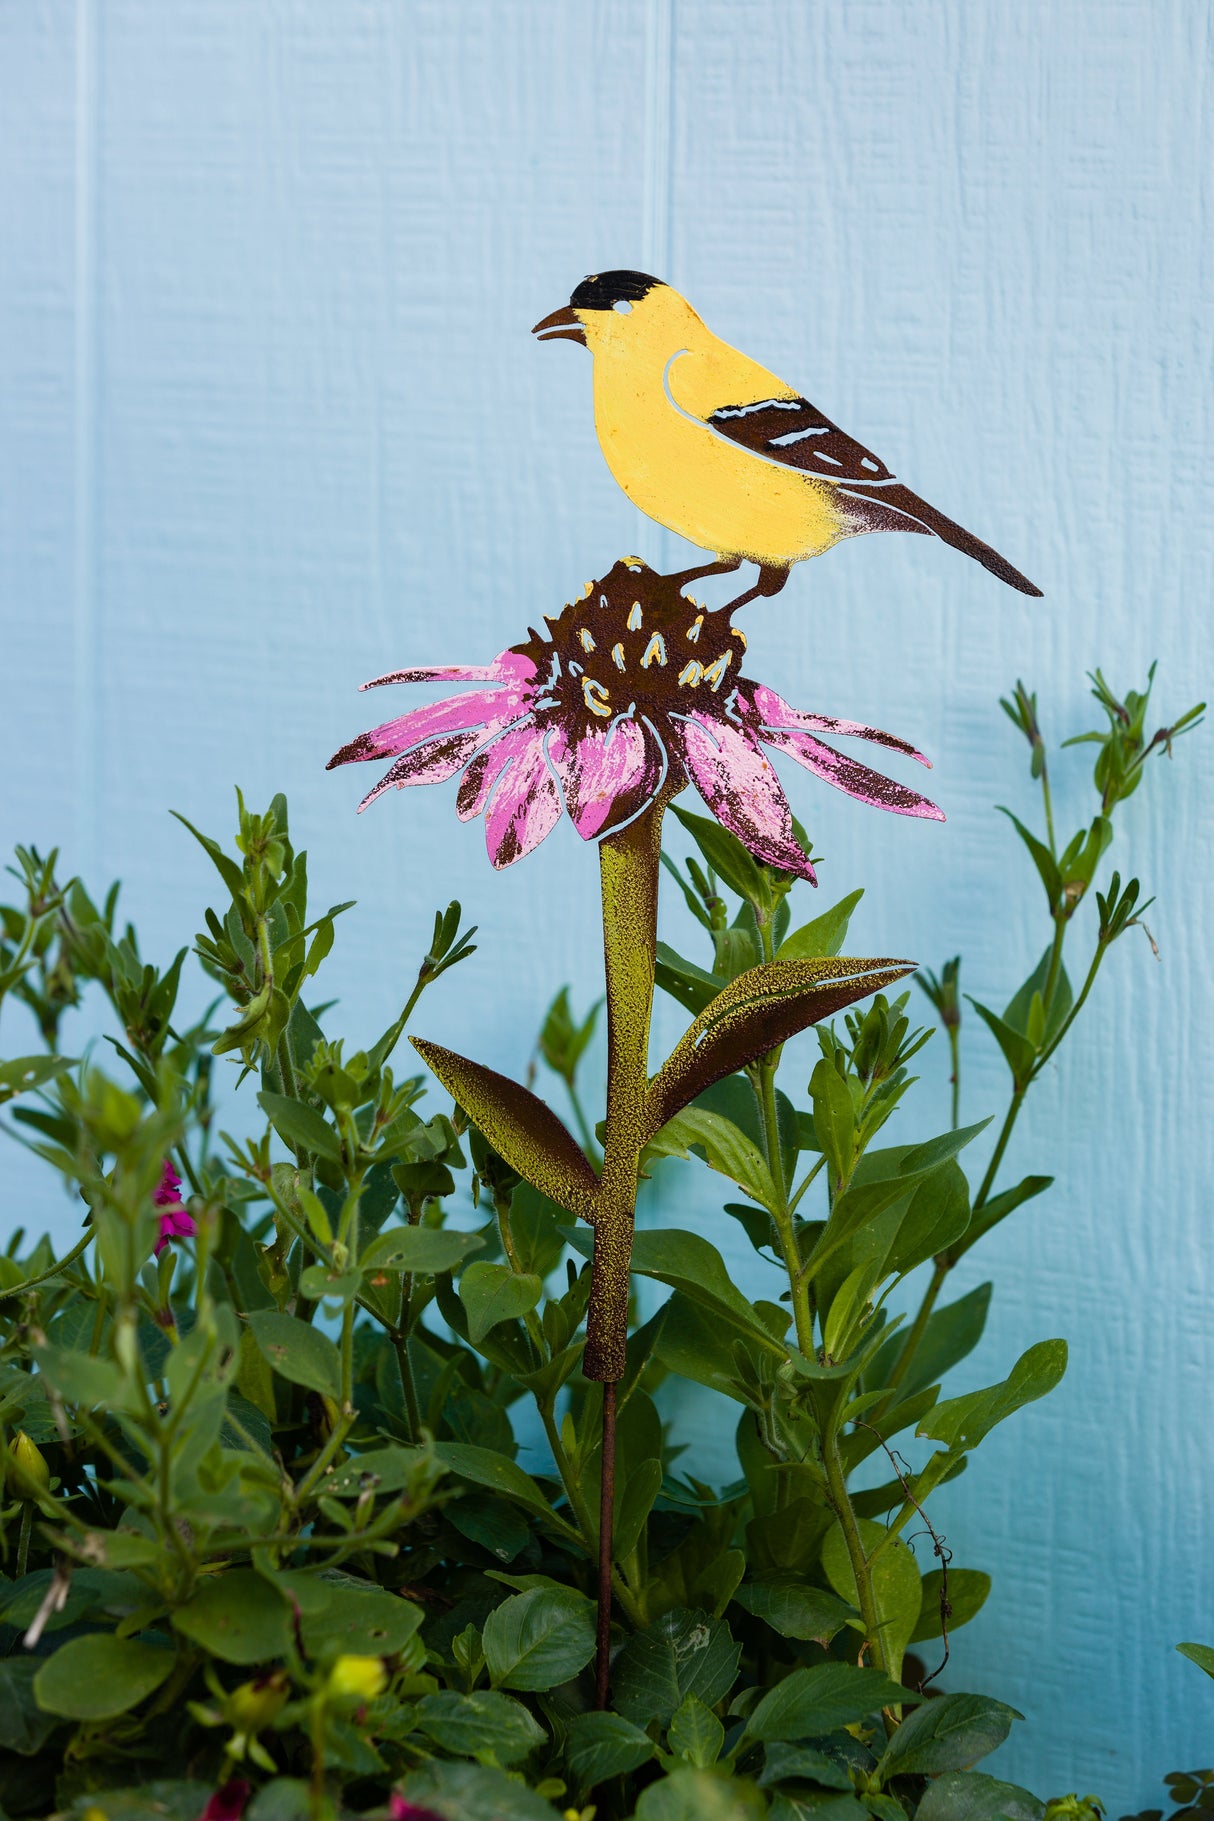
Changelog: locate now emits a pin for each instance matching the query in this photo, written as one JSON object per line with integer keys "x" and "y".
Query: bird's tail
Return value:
{"x": 901, "y": 499}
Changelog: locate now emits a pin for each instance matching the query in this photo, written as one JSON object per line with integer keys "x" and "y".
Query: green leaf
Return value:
{"x": 633, "y": 1505}
{"x": 1018, "y": 1052}
{"x": 968, "y": 1795}
{"x": 692, "y": 986}
{"x": 811, "y": 1702}
{"x": 725, "y": 1149}
{"x": 482, "y": 1724}
{"x": 300, "y": 1126}
{"x": 604, "y": 1745}
{"x": 794, "y": 1608}
{"x": 379, "y": 1470}
{"x": 1201, "y": 1654}
{"x": 998, "y": 1208}
{"x": 160, "y": 1799}
{"x": 538, "y": 1640}
{"x": 82, "y": 1378}
{"x": 321, "y": 1284}
{"x": 473, "y": 1792}
{"x": 281, "y": 1799}
{"x": 756, "y": 1012}
{"x": 694, "y": 1343}
{"x": 493, "y": 1523}
{"x": 297, "y": 1351}
{"x": 683, "y": 1653}
{"x": 700, "y": 1795}
{"x": 834, "y": 1118}
{"x": 1043, "y": 860}
{"x": 695, "y": 1733}
{"x": 30, "y": 1072}
{"x": 726, "y": 855}
{"x": 24, "y": 1727}
{"x": 495, "y": 1293}
{"x": 423, "y": 1250}
{"x": 1019, "y": 1009}
{"x": 98, "y": 1677}
{"x": 938, "y": 1216}
{"x": 802, "y": 1764}
{"x": 962, "y": 1422}
{"x": 227, "y": 868}
{"x": 950, "y": 1733}
{"x": 486, "y": 1467}
{"x": 359, "y": 1620}
{"x": 237, "y": 1617}
{"x": 692, "y": 1264}
{"x": 967, "y": 1591}
{"x": 897, "y": 1587}
{"x": 951, "y": 1333}
{"x": 824, "y": 935}
{"x": 520, "y": 1126}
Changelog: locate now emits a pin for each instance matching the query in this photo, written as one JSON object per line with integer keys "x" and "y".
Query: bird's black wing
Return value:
{"x": 797, "y": 434}
{"x": 794, "y": 433}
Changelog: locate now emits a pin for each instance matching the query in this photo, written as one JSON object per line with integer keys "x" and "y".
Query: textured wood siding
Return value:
{"x": 273, "y": 424}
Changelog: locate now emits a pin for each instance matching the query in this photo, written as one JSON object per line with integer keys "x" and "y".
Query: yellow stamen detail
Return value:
{"x": 739, "y": 634}
{"x": 587, "y": 591}
{"x": 656, "y": 649}
{"x": 693, "y": 632}
{"x": 715, "y": 673}
{"x": 596, "y": 698}
{"x": 587, "y": 641}
{"x": 617, "y": 653}
{"x": 634, "y": 618}
{"x": 691, "y": 673}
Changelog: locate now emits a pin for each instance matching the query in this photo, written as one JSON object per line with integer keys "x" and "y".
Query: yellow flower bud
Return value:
{"x": 28, "y": 1475}
{"x": 257, "y": 1704}
{"x": 361, "y": 1678}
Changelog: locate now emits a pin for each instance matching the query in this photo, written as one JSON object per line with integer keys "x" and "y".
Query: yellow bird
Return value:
{"x": 712, "y": 445}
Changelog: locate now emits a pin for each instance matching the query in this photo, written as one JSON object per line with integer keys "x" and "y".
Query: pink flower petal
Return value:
{"x": 773, "y": 711}
{"x": 740, "y": 787}
{"x": 607, "y": 776}
{"x": 476, "y": 785}
{"x": 490, "y": 709}
{"x": 507, "y": 667}
{"x": 524, "y": 807}
{"x": 429, "y": 764}
{"x": 859, "y": 781}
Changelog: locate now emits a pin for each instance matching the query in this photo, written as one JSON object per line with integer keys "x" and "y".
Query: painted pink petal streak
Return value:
{"x": 743, "y": 792}
{"x": 490, "y": 709}
{"x": 476, "y": 785}
{"x": 859, "y": 781}
{"x": 607, "y": 777}
{"x": 433, "y": 763}
{"x": 774, "y": 711}
{"x": 507, "y": 667}
{"x": 524, "y": 807}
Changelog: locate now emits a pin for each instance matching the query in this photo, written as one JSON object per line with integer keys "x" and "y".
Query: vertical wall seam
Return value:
{"x": 84, "y": 605}
{"x": 658, "y": 177}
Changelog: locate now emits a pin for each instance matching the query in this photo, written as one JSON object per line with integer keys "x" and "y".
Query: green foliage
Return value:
{"x": 263, "y": 1513}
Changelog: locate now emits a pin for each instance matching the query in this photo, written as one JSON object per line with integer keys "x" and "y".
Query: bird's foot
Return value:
{"x": 769, "y": 581}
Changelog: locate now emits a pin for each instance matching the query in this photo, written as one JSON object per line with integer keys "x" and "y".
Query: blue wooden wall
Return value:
{"x": 272, "y": 424}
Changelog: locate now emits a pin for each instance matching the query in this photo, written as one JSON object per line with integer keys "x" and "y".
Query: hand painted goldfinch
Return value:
{"x": 713, "y": 446}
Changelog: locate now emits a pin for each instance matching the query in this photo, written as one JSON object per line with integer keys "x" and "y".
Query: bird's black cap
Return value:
{"x": 603, "y": 290}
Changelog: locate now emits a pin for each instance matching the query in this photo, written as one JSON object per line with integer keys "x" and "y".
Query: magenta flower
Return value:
{"x": 228, "y": 1802}
{"x": 597, "y": 713}
{"x": 176, "y": 1222}
{"x": 400, "y": 1810}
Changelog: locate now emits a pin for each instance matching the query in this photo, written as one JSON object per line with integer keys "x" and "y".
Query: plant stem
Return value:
{"x": 31, "y": 1283}
{"x": 582, "y": 1123}
{"x": 630, "y": 868}
{"x": 842, "y": 1507}
{"x": 953, "y": 1032}
{"x": 602, "y": 1649}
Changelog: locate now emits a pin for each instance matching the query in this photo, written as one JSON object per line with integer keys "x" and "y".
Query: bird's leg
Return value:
{"x": 770, "y": 580}
{"x": 724, "y": 565}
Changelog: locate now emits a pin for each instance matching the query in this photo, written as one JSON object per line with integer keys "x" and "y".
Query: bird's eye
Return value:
{"x": 623, "y": 306}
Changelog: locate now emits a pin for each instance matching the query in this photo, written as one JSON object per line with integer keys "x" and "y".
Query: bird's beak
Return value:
{"x": 562, "y": 325}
